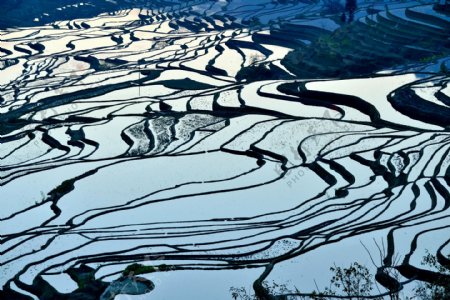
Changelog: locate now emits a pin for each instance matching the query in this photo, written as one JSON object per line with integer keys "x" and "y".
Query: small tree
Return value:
{"x": 353, "y": 281}
{"x": 429, "y": 291}
{"x": 443, "y": 68}
{"x": 350, "y": 7}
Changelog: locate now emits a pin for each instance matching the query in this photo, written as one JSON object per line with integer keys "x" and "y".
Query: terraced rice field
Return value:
{"x": 128, "y": 139}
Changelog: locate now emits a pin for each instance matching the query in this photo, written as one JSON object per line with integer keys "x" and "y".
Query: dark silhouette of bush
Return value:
{"x": 355, "y": 282}
{"x": 137, "y": 269}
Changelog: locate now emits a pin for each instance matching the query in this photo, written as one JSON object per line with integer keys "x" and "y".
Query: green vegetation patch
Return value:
{"x": 136, "y": 269}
